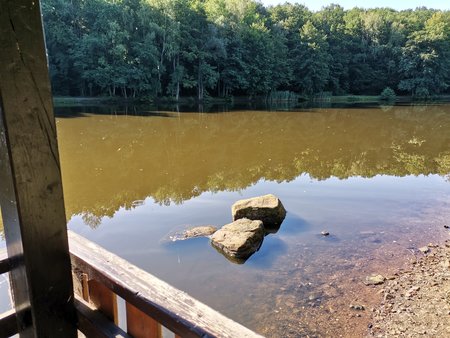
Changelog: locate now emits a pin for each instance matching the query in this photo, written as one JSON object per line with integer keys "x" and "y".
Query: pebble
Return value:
{"x": 424, "y": 249}
{"x": 325, "y": 233}
{"x": 374, "y": 280}
{"x": 357, "y": 307}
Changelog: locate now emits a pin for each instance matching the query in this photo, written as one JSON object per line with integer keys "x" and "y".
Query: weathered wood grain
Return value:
{"x": 31, "y": 193}
{"x": 176, "y": 310}
{"x": 139, "y": 325}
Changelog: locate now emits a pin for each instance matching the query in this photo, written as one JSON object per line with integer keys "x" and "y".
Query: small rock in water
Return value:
{"x": 240, "y": 239}
{"x": 313, "y": 297}
{"x": 192, "y": 232}
{"x": 267, "y": 208}
{"x": 325, "y": 233}
{"x": 447, "y": 226}
{"x": 374, "y": 280}
{"x": 200, "y": 231}
{"x": 424, "y": 249}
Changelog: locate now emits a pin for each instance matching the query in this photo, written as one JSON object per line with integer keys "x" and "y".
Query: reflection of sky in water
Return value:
{"x": 344, "y": 207}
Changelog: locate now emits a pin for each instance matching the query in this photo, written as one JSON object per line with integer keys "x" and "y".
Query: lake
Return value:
{"x": 376, "y": 178}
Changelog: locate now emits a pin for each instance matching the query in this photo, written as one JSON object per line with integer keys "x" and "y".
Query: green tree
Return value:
{"x": 311, "y": 69}
{"x": 426, "y": 57}
{"x": 150, "y": 48}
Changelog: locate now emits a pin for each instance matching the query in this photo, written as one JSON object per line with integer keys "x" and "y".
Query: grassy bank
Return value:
{"x": 352, "y": 98}
{"x": 61, "y": 101}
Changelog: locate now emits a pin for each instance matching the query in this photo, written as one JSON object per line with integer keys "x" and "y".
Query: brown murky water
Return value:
{"x": 376, "y": 178}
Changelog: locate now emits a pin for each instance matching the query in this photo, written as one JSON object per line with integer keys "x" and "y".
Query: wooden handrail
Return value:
{"x": 175, "y": 309}
{"x": 100, "y": 275}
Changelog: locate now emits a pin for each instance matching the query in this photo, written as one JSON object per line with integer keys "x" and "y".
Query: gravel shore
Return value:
{"x": 416, "y": 302}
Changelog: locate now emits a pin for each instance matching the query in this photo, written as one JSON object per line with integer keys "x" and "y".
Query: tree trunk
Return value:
{"x": 124, "y": 92}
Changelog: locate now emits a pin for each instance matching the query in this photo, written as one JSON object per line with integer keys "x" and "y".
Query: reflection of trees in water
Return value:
{"x": 175, "y": 158}
{"x": 92, "y": 220}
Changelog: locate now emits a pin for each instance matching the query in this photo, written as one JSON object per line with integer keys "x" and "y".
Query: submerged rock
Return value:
{"x": 192, "y": 232}
{"x": 267, "y": 208}
{"x": 240, "y": 239}
{"x": 374, "y": 280}
{"x": 200, "y": 231}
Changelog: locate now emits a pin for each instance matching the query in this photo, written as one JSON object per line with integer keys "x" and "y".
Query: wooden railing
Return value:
{"x": 100, "y": 276}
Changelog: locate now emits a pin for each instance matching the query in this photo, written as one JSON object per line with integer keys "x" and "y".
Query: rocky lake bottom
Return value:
{"x": 413, "y": 300}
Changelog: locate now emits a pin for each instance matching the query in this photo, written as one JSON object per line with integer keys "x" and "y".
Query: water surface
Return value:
{"x": 376, "y": 178}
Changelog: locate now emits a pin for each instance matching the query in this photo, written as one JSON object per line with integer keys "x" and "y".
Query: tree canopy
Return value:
{"x": 201, "y": 48}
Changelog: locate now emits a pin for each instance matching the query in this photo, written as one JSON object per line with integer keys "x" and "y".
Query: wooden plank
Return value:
{"x": 139, "y": 325}
{"x": 93, "y": 323}
{"x": 8, "y": 324}
{"x": 31, "y": 194}
{"x": 18, "y": 276}
{"x": 104, "y": 300}
{"x": 77, "y": 281}
{"x": 85, "y": 287}
{"x": 176, "y": 310}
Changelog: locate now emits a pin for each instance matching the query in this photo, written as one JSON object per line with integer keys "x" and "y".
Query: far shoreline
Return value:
{"x": 69, "y": 101}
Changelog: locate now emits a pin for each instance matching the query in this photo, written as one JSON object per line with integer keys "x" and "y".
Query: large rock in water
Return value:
{"x": 267, "y": 208}
{"x": 239, "y": 240}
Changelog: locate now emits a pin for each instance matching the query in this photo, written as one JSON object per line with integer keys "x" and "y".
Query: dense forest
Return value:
{"x": 223, "y": 48}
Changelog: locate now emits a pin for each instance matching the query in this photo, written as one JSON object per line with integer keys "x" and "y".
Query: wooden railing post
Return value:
{"x": 31, "y": 193}
{"x": 104, "y": 300}
{"x": 140, "y": 325}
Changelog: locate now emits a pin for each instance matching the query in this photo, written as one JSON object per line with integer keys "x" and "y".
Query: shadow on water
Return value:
{"x": 168, "y": 110}
{"x": 271, "y": 249}
{"x": 294, "y": 224}
{"x": 77, "y": 112}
